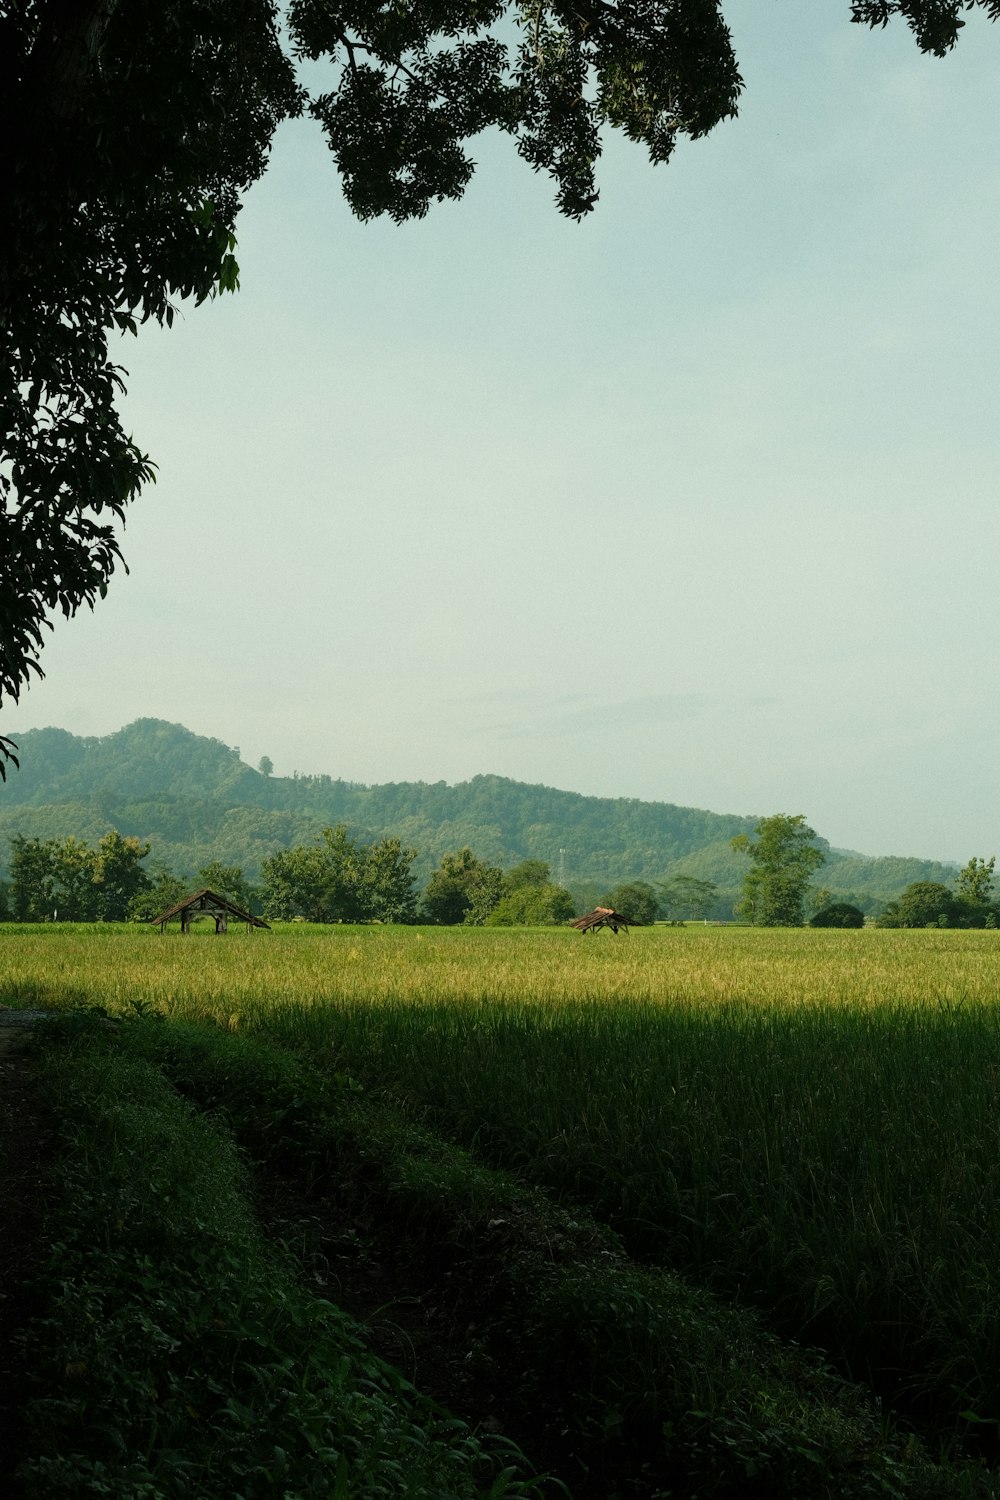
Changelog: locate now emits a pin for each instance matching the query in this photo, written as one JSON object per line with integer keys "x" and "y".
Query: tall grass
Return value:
{"x": 807, "y": 1121}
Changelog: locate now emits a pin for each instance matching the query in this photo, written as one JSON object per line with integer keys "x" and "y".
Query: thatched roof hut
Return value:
{"x": 602, "y": 916}
{"x": 208, "y": 904}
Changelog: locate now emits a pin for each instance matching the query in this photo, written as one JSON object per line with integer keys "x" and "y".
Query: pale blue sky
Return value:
{"x": 694, "y": 502}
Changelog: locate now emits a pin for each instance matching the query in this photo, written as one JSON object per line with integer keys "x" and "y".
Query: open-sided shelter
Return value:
{"x": 601, "y": 916}
{"x": 206, "y": 903}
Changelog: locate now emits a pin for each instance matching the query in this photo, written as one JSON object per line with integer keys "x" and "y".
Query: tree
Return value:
{"x": 343, "y": 862}
{"x": 30, "y": 896}
{"x": 930, "y": 903}
{"x": 72, "y": 887}
{"x": 52, "y": 879}
{"x": 228, "y": 881}
{"x": 164, "y": 890}
{"x": 317, "y": 882}
{"x": 337, "y": 879}
{"x": 686, "y": 896}
{"x": 533, "y": 906}
{"x": 636, "y": 900}
{"x": 838, "y": 914}
{"x": 533, "y": 872}
{"x": 118, "y": 875}
{"x": 487, "y": 894}
{"x": 974, "y": 883}
{"x": 927, "y": 903}
{"x": 461, "y": 889}
{"x": 132, "y": 132}
{"x": 292, "y": 885}
{"x": 784, "y": 852}
{"x": 528, "y": 898}
{"x": 265, "y": 766}
{"x": 387, "y": 883}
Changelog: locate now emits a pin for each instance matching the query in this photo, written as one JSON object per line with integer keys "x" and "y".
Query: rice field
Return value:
{"x": 806, "y": 1121}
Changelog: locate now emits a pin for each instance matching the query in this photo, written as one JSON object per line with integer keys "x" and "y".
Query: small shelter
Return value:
{"x": 601, "y": 916}
{"x": 206, "y": 903}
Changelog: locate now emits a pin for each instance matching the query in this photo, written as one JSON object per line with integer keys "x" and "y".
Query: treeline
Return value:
{"x": 340, "y": 878}
{"x": 67, "y": 880}
{"x": 336, "y": 878}
{"x": 967, "y": 903}
{"x": 778, "y": 886}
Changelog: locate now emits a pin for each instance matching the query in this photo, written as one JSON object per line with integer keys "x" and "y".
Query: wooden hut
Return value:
{"x": 602, "y": 916}
{"x": 206, "y": 903}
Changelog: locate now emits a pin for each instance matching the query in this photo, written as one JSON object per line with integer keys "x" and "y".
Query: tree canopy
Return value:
{"x": 636, "y": 900}
{"x": 784, "y": 851}
{"x": 929, "y": 903}
{"x": 131, "y": 134}
{"x": 838, "y": 914}
{"x": 339, "y": 879}
{"x": 462, "y": 889}
{"x": 69, "y": 879}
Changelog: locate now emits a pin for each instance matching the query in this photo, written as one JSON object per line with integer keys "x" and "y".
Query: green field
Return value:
{"x": 805, "y": 1123}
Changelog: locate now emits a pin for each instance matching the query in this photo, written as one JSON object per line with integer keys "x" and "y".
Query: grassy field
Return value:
{"x": 804, "y": 1122}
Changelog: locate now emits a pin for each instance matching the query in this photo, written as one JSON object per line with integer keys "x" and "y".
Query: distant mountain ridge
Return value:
{"x": 195, "y": 800}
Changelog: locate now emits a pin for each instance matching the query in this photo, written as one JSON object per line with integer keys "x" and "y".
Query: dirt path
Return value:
{"x": 25, "y": 1140}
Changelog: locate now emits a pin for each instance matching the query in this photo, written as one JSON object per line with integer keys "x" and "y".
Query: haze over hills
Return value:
{"x": 195, "y": 800}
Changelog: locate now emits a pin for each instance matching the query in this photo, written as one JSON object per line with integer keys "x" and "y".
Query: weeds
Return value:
{"x": 178, "y": 1354}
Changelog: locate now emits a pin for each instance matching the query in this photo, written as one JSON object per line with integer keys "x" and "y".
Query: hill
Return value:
{"x": 195, "y": 800}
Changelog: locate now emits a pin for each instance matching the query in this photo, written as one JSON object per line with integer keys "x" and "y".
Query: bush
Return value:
{"x": 533, "y": 906}
{"x": 838, "y": 914}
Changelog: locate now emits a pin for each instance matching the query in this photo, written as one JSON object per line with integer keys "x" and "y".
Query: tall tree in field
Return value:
{"x": 462, "y": 889}
{"x": 533, "y": 906}
{"x": 30, "y": 896}
{"x": 73, "y": 866}
{"x": 69, "y": 879}
{"x": 784, "y": 851}
{"x": 130, "y": 133}
{"x": 974, "y": 883}
{"x": 387, "y": 893}
{"x": 687, "y": 896}
{"x": 118, "y": 875}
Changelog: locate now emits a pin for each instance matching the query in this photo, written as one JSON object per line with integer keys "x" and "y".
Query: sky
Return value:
{"x": 695, "y": 501}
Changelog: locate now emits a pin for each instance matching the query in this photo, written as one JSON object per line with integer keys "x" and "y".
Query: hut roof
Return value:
{"x": 601, "y": 916}
{"x": 205, "y": 898}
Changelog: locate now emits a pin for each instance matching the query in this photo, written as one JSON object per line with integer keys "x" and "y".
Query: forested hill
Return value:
{"x": 195, "y": 800}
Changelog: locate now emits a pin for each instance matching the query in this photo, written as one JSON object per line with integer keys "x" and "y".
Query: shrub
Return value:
{"x": 838, "y": 914}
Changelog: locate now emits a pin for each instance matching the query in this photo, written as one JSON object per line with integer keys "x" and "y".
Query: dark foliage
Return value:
{"x": 838, "y": 914}
{"x": 635, "y": 900}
